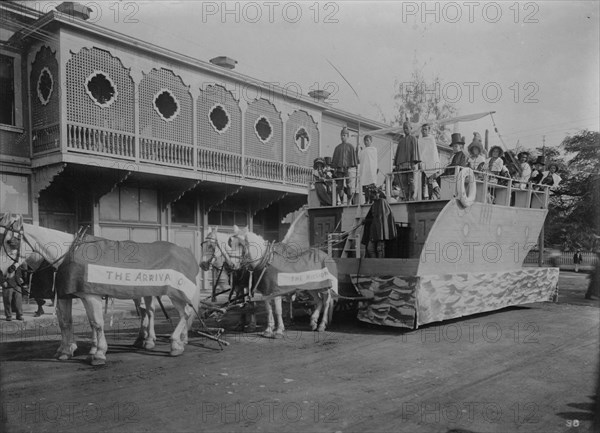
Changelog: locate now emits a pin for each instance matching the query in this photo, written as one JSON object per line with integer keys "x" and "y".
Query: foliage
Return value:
{"x": 420, "y": 100}
{"x": 574, "y": 212}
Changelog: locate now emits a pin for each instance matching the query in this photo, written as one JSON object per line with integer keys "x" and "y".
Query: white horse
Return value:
{"x": 217, "y": 254}
{"x": 256, "y": 258}
{"x": 22, "y": 241}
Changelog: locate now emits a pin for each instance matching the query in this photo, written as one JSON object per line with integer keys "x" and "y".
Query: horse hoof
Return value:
{"x": 138, "y": 343}
{"x": 321, "y": 329}
{"x": 313, "y": 326}
{"x": 278, "y": 335}
{"x": 268, "y": 334}
{"x": 149, "y": 345}
{"x": 176, "y": 352}
{"x": 63, "y": 356}
{"x": 96, "y": 362}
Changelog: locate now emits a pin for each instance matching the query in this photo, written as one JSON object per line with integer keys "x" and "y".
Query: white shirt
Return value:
{"x": 497, "y": 165}
{"x": 526, "y": 172}
{"x": 474, "y": 162}
{"x": 367, "y": 171}
{"x": 555, "y": 177}
{"x": 430, "y": 158}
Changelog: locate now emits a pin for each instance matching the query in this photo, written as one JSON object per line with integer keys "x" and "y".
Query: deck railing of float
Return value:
{"x": 490, "y": 188}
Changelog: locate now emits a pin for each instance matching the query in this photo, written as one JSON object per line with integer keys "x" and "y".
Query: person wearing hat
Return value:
{"x": 538, "y": 170}
{"x": 494, "y": 163}
{"x": 322, "y": 180}
{"x": 430, "y": 163}
{"x": 459, "y": 159}
{"x": 11, "y": 292}
{"x": 406, "y": 159}
{"x": 344, "y": 163}
{"x": 523, "y": 178}
{"x": 551, "y": 177}
{"x": 476, "y": 159}
{"x": 367, "y": 170}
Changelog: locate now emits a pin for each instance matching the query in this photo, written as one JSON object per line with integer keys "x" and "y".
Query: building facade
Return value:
{"x": 142, "y": 143}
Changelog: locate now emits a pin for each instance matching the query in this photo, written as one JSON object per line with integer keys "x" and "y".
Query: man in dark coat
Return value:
{"x": 380, "y": 226}
{"x": 344, "y": 163}
{"x": 407, "y": 159}
{"x": 459, "y": 159}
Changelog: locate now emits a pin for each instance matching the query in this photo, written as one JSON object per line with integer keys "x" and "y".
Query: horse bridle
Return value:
{"x": 17, "y": 234}
{"x": 224, "y": 254}
{"x": 248, "y": 263}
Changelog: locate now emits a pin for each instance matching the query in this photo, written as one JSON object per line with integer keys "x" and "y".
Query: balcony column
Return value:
{"x": 286, "y": 111}
{"x": 136, "y": 76}
{"x": 63, "y": 58}
{"x": 244, "y": 108}
{"x": 195, "y": 92}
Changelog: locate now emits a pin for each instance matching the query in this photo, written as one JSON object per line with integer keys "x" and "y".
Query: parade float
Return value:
{"x": 455, "y": 256}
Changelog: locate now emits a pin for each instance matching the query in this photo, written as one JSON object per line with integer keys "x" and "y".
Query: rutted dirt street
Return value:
{"x": 520, "y": 369}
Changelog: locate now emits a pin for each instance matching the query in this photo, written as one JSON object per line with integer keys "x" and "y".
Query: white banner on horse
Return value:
{"x": 135, "y": 277}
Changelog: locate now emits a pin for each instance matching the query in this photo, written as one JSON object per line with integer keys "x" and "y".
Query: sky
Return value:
{"x": 535, "y": 63}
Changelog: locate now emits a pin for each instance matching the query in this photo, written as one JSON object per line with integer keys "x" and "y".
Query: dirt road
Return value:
{"x": 520, "y": 369}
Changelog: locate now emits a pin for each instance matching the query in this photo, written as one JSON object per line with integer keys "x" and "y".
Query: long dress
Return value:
{"x": 367, "y": 158}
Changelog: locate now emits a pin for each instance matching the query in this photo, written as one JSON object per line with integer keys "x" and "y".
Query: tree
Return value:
{"x": 419, "y": 100}
{"x": 574, "y": 211}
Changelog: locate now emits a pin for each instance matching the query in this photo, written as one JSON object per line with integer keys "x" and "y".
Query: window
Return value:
{"x": 14, "y": 193}
{"x": 263, "y": 129}
{"x": 219, "y": 118}
{"x": 183, "y": 211}
{"x": 10, "y": 90}
{"x": 101, "y": 89}
{"x": 227, "y": 218}
{"x": 45, "y": 85}
{"x": 130, "y": 204}
{"x": 166, "y": 105}
{"x": 7, "y": 90}
{"x": 302, "y": 139}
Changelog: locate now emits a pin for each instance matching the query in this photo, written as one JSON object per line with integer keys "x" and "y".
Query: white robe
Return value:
{"x": 430, "y": 158}
{"x": 367, "y": 159}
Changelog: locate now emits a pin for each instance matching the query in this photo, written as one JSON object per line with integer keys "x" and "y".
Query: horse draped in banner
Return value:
{"x": 281, "y": 269}
{"x": 92, "y": 267}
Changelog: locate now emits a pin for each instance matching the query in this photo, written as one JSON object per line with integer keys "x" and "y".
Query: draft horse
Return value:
{"x": 260, "y": 258}
{"x": 21, "y": 241}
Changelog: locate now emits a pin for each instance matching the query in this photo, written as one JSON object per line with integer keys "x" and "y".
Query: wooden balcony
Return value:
{"x": 149, "y": 152}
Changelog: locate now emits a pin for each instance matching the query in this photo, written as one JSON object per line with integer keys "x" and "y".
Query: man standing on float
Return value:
{"x": 344, "y": 162}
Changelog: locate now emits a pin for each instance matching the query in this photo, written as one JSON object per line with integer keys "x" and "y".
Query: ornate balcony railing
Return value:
{"x": 219, "y": 161}
{"x": 100, "y": 140}
{"x": 166, "y": 152}
{"x": 298, "y": 174}
{"x": 46, "y": 138}
{"x": 263, "y": 169}
{"x": 87, "y": 139}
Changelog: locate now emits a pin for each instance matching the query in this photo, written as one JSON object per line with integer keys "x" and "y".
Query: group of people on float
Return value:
{"x": 417, "y": 167}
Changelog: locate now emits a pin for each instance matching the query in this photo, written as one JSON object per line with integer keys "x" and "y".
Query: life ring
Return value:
{"x": 466, "y": 194}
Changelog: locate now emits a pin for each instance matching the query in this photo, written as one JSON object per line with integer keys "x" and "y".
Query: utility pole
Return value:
{"x": 541, "y": 238}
